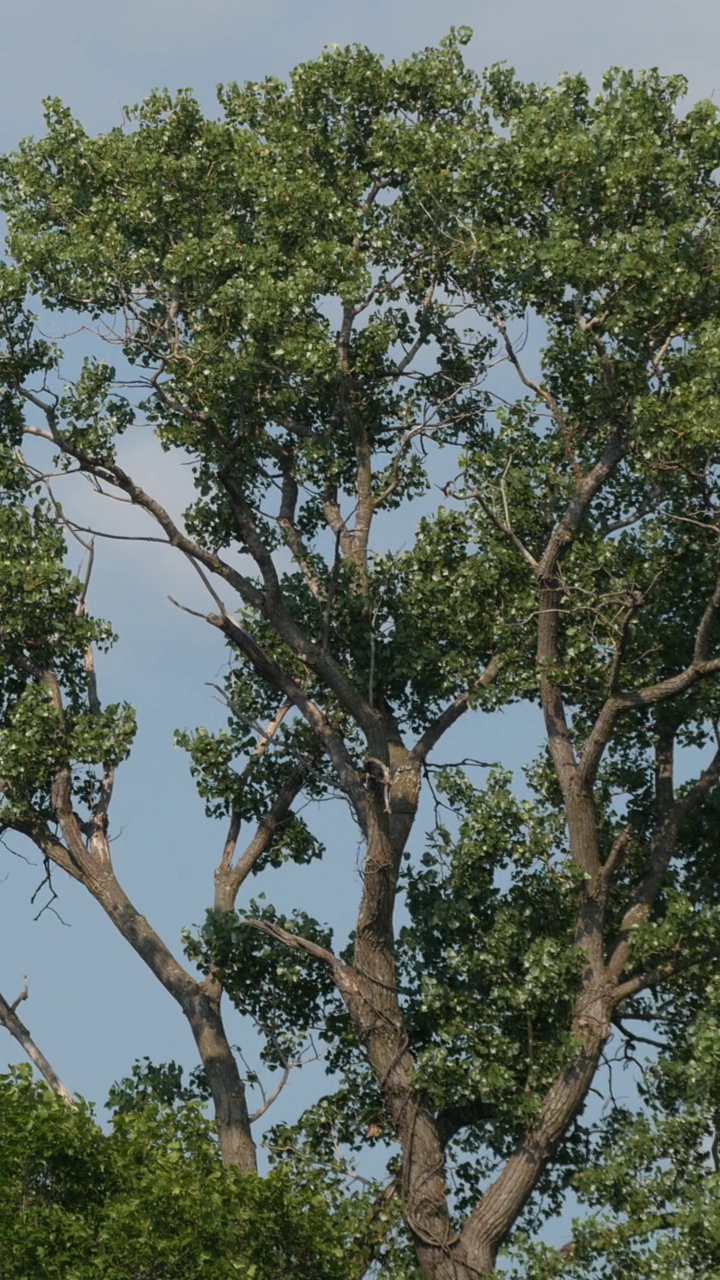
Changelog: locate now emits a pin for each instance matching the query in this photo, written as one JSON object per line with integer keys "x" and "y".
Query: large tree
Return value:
{"x": 352, "y": 294}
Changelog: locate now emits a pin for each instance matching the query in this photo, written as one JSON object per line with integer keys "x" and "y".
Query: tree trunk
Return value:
{"x": 369, "y": 989}
{"x": 202, "y": 1010}
{"x": 237, "y": 1145}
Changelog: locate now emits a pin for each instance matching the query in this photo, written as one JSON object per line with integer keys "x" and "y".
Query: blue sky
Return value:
{"x": 93, "y": 1008}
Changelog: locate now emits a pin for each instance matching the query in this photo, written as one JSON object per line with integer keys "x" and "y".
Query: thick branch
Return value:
{"x": 577, "y": 796}
{"x": 707, "y": 624}
{"x": 639, "y": 700}
{"x": 364, "y": 504}
{"x": 201, "y": 1008}
{"x": 586, "y": 489}
{"x": 499, "y": 1207}
{"x": 578, "y": 799}
{"x": 296, "y": 942}
{"x": 669, "y": 969}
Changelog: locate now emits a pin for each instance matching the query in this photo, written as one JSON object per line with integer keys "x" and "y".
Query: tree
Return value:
{"x": 150, "y": 1198}
{"x": 321, "y": 299}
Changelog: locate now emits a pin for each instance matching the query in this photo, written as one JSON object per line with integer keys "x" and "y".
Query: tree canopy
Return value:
{"x": 442, "y": 350}
{"x": 149, "y": 1198}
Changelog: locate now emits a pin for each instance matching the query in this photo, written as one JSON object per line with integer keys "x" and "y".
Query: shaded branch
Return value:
{"x": 669, "y": 969}
{"x": 266, "y": 667}
{"x": 229, "y": 877}
{"x": 616, "y": 856}
{"x": 503, "y": 527}
{"x": 619, "y": 702}
{"x": 452, "y": 713}
{"x": 543, "y": 394}
{"x": 670, "y": 816}
{"x": 701, "y": 652}
{"x": 293, "y": 538}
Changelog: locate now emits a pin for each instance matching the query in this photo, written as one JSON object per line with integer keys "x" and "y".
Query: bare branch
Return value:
{"x": 118, "y": 537}
{"x": 288, "y": 1066}
{"x": 633, "y": 1036}
{"x": 296, "y": 942}
{"x": 206, "y": 583}
{"x": 194, "y": 613}
{"x": 448, "y": 717}
{"x": 111, "y": 473}
{"x": 47, "y": 906}
{"x": 268, "y": 1102}
{"x": 24, "y": 993}
{"x": 17, "y": 1029}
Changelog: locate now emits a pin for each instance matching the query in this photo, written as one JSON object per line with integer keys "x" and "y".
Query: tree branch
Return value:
{"x": 296, "y": 942}
{"x": 17, "y": 1029}
{"x": 452, "y": 713}
{"x": 543, "y": 394}
{"x": 620, "y": 702}
{"x": 670, "y": 816}
{"x": 670, "y": 969}
{"x": 229, "y": 877}
{"x": 266, "y": 667}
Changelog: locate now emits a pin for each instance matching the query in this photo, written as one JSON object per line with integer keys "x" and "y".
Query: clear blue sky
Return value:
{"x": 93, "y": 1008}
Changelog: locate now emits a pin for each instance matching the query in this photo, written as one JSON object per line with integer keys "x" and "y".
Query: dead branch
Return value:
{"x": 17, "y": 1029}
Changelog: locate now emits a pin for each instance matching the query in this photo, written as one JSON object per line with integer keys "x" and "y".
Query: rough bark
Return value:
{"x": 237, "y": 1145}
{"x": 502, "y": 1203}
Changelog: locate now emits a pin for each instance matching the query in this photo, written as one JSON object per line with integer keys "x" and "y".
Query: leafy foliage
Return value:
{"x": 149, "y": 1198}
{"x": 384, "y": 296}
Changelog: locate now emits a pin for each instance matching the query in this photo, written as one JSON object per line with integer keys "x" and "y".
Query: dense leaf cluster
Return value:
{"x": 148, "y": 1198}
